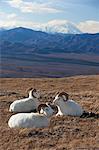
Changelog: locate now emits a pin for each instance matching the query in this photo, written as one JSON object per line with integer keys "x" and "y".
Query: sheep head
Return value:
{"x": 63, "y": 96}
{"x": 45, "y": 109}
{"x": 54, "y": 107}
{"x": 34, "y": 93}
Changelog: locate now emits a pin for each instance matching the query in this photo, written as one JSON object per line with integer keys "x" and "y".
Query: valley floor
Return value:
{"x": 48, "y": 65}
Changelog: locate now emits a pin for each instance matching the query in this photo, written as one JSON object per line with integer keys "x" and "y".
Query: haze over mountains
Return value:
{"x": 28, "y": 47}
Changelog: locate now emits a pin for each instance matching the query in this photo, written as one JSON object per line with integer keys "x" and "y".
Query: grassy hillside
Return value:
{"x": 65, "y": 133}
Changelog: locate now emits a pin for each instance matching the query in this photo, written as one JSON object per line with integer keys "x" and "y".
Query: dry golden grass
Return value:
{"x": 65, "y": 133}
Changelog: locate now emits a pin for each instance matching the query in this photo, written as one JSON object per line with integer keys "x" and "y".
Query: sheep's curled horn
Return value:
{"x": 64, "y": 93}
{"x": 34, "y": 90}
{"x": 41, "y": 106}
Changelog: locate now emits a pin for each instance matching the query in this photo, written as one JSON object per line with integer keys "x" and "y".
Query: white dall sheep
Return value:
{"x": 66, "y": 106}
{"x": 30, "y": 120}
{"x": 27, "y": 104}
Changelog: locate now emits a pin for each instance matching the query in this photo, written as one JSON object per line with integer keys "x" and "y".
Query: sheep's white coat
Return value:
{"x": 26, "y": 104}
{"x": 29, "y": 120}
{"x": 68, "y": 107}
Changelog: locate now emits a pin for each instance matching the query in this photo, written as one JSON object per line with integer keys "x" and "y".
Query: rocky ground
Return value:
{"x": 64, "y": 133}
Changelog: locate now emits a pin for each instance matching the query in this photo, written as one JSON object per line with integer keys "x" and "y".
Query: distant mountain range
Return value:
{"x": 23, "y": 40}
{"x": 29, "y": 53}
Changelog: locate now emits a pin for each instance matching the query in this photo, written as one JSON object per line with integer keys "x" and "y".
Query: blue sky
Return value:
{"x": 29, "y": 13}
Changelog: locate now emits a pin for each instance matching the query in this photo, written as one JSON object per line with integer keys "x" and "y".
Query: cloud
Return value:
{"x": 7, "y": 16}
{"x": 8, "y": 20}
{"x": 12, "y": 20}
{"x": 33, "y": 7}
{"x": 89, "y": 26}
{"x": 57, "y": 22}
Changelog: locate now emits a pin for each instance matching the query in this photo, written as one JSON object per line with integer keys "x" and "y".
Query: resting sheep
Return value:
{"x": 70, "y": 107}
{"x": 27, "y": 104}
{"x": 29, "y": 120}
{"x": 66, "y": 106}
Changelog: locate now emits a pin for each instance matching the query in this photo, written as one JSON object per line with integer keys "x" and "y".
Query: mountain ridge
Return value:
{"x": 41, "y": 42}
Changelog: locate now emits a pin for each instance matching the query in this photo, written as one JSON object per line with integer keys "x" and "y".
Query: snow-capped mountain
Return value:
{"x": 61, "y": 26}
{"x": 56, "y": 26}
